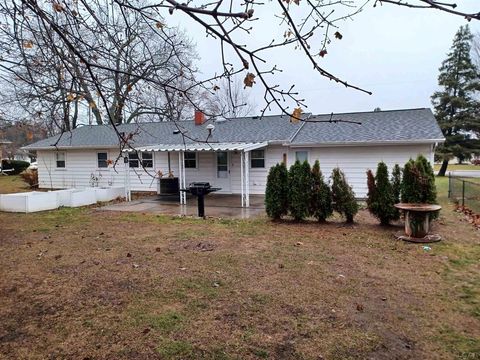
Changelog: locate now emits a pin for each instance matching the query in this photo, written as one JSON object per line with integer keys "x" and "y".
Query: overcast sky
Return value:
{"x": 394, "y": 52}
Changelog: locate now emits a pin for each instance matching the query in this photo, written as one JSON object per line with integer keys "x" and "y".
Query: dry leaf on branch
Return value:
{"x": 159, "y": 25}
{"x": 249, "y": 80}
{"x": 338, "y": 35}
{"x": 58, "y": 7}
{"x": 28, "y": 44}
{"x": 323, "y": 52}
{"x": 296, "y": 115}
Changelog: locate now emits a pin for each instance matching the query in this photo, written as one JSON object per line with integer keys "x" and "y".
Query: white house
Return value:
{"x": 235, "y": 154}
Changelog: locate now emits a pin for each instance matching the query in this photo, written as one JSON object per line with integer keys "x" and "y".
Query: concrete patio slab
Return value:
{"x": 216, "y": 205}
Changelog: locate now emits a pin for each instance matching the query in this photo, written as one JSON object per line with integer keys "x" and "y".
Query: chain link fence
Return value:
{"x": 464, "y": 191}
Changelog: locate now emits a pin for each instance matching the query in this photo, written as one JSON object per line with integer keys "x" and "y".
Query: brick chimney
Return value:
{"x": 199, "y": 117}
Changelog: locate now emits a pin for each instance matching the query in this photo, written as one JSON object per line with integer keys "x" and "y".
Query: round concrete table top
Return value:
{"x": 418, "y": 207}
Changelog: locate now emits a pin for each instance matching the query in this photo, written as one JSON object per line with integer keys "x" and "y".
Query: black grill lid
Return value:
{"x": 199, "y": 184}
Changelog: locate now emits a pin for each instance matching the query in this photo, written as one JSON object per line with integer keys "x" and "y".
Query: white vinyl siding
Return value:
{"x": 353, "y": 160}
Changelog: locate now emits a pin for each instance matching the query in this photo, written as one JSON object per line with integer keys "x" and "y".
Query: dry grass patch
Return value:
{"x": 79, "y": 283}
{"x": 12, "y": 184}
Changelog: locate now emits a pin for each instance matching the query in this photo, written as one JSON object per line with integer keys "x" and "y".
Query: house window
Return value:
{"x": 257, "y": 159}
{"x": 190, "y": 160}
{"x": 102, "y": 160}
{"x": 60, "y": 159}
{"x": 147, "y": 159}
{"x": 301, "y": 156}
{"x": 133, "y": 160}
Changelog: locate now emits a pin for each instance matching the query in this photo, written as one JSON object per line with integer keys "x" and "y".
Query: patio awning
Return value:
{"x": 203, "y": 147}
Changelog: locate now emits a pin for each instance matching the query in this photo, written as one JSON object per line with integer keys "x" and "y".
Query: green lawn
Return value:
{"x": 442, "y": 189}
{"x": 452, "y": 167}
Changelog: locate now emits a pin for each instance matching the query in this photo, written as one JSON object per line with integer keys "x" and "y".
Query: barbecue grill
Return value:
{"x": 200, "y": 189}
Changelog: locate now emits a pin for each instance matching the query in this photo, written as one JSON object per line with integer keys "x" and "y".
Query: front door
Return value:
{"x": 223, "y": 171}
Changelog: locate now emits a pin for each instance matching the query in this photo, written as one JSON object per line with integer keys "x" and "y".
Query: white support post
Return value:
{"x": 184, "y": 177}
{"x": 180, "y": 182}
{"x": 128, "y": 191}
{"x": 247, "y": 179}
{"x": 242, "y": 179}
{"x": 125, "y": 180}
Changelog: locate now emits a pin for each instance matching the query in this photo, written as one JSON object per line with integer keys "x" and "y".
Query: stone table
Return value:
{"x": 417, "y": 222}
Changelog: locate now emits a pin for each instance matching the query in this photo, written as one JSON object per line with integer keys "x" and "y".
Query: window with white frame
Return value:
{"x": 133, "y": 160}
{"x": 257, "y": 159}
{"x": 145, "y": 159}
{"x": 60, "y": 159}
{"x": 301, "y": 156}
{"x": 190, "y": 160}
{"x": 102, "y": 160}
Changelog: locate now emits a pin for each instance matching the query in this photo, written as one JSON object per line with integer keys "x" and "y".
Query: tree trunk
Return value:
{"x": 443, "y": 168}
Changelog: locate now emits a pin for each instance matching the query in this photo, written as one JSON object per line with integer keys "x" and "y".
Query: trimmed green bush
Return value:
{"x": 17, "y": 165}
{"x": 429, "y": 190}
{"x": 380, "y": 195}
{"x": 321, "y": 197}
{"x": 343, "y": 196}
{"x": 276, "y": 193}
{"x": 410, "y": 183}
{"x": 396, "y": 187}
{"x": 300, "y": 186}
{"x": 418, "y": 182}
{"x": 372, "y": 188}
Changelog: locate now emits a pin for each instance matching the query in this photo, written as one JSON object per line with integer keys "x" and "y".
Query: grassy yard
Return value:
{"x": 452, "y": 167}
{"x": 11, "y": 184}
{"x": 86, "y": 284}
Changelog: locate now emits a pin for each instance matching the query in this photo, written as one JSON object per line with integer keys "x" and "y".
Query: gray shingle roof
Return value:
{"x": 376, "y": 126}
{"x": 395, "y": 125}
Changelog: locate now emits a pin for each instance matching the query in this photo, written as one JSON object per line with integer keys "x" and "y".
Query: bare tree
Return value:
{"x": 49, "y": 80}
{"x": 104, "y": 46}
{"x": 230, "y": 99}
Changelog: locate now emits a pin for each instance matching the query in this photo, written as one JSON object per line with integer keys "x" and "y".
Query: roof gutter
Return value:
{"x": 52, "y": 147}
{"x": 365, "y": 143}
